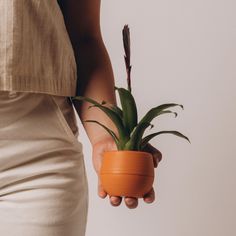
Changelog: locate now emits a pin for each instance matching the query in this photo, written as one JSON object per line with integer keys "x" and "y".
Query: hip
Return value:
{"x": 41, "y": 162}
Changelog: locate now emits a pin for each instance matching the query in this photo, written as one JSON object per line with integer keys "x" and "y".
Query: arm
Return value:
{"x": 95, "y": 80}
{"x": 94, "y": 70}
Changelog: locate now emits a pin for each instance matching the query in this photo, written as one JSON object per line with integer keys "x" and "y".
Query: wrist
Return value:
{"x": 101, "y": 139}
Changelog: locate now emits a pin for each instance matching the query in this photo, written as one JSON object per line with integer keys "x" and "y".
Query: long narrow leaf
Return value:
{"x": 136, "y": 137}
{"x": 130, "y": 116}
{"x": 110, "y": 113}
{"x": 146, "y": 139}
{"x": 113, "y": 135}
{"x": 154, "y": 112}
{"x": 114, "y": 114}
{"x": 118, "y": 111}
{"x": 114, "y": 108}
{"x": 165, "y": 112}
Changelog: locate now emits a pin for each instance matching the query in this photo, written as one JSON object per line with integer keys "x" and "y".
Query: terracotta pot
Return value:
{"x": 127, "y": 173}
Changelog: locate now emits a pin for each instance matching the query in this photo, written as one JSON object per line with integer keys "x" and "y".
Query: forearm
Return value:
{"x": 95, "y": 80}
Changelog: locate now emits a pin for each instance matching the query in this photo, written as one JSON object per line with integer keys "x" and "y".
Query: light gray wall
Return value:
{"x": 182, "y": 51}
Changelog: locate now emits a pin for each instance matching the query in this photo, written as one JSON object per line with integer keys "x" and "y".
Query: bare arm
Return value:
{"x": 95, "y": 75}
{"x": 95, "y": 80}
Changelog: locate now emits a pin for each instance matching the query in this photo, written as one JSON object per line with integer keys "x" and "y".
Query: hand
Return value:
{"x": 108, "y": 144}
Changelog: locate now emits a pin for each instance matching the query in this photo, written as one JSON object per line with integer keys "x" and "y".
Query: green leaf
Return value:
{"x": 146, "y": 139}
{"x": 118, "y": 111}
{"x": 123, "y": 135}
{"x": 156, "y": 111}
{"x": 113, "y": 107}
{"x": 129, "y": 108}
{"x": 164, "y": 112}
{"x": 113, "y": 135}
{"x": 136, "y": 137}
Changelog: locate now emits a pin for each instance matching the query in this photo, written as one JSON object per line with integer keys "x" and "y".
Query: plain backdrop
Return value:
{"x": 185, "y": 52}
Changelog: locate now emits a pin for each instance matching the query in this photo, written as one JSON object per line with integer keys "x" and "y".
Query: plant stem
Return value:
{"x": 128, "y": 78}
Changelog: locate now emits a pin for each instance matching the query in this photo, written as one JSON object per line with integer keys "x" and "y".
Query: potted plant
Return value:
{"x": 129, "y": 170}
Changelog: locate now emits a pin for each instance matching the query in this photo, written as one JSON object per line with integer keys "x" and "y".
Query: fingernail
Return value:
{"x": 130, "y": 201}
{"x": 115, "y": 201}
{"x": 102, "y": 194}
{"x": 148, "y": 200}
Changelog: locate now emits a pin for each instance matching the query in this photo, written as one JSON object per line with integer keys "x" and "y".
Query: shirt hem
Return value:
{"x": 63, "y": 87}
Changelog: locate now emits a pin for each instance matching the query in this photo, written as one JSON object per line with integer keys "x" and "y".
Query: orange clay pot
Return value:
{"x": 127, "y": 173}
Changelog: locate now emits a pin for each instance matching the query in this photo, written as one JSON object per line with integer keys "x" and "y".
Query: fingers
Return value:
{"x": 115, "y": 200}
{"x": 150, "y": 196}
{"x": 131, "y": 202}
{"x": 101, "y": 192}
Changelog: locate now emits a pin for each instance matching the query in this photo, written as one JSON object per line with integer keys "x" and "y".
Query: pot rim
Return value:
{"x": 124, "y": 151}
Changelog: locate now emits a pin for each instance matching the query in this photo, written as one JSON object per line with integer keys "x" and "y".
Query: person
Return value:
{"x": 51, "y": 51}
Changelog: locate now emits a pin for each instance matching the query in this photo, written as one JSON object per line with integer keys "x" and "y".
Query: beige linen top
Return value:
{"x": 36, "y": 54}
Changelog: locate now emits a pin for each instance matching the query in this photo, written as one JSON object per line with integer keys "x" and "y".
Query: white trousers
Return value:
{"x": 43, "y": 181}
